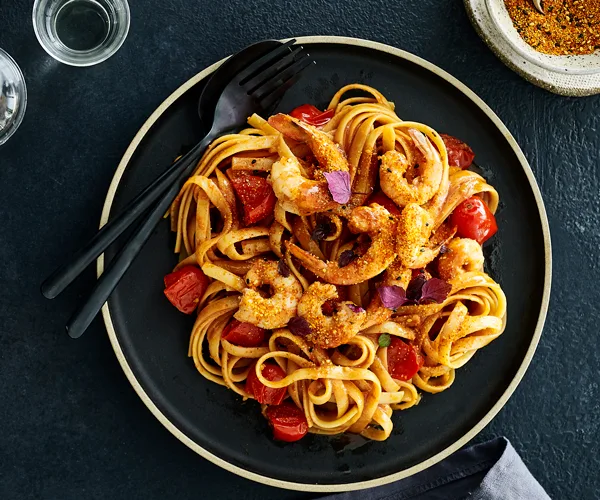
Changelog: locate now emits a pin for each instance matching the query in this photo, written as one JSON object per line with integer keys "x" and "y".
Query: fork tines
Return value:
{"x": 268, "y": 78}
{"x": 284, "y": 77}
{"x": 264, "y": 62}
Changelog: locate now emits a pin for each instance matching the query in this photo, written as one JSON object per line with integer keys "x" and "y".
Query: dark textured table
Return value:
{"x": 72, "y": 427}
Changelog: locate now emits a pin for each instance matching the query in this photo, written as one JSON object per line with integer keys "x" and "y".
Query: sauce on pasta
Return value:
{"x": 342, "y": 281}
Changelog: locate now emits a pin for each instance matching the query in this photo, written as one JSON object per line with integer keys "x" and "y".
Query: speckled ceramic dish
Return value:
{"x": 574, "y": 75}
{"x": 150, "y": 337}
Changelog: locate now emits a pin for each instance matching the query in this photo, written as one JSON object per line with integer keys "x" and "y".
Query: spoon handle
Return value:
{"x": 86, "y": 312}
{"x": 66, "y": 274}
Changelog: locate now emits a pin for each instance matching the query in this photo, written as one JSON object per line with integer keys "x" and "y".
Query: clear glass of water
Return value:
{"x": 81, "y": 32}
{"x": 13, "y": 97}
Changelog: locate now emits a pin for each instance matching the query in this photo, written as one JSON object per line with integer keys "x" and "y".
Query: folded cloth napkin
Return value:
{"x": 489, "y": 471}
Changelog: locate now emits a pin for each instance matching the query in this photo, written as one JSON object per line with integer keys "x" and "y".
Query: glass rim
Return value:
{"x": 7, "y": 133}
{"x": 76, "y": 61}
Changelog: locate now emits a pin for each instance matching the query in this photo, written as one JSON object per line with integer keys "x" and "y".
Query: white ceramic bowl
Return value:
{"x": 572, "y": 75}
{"x": 580, "y": 65}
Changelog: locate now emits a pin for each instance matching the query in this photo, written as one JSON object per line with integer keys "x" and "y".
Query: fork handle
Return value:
{"x": 84, "y": 315}
{"x": 66, "y": 274}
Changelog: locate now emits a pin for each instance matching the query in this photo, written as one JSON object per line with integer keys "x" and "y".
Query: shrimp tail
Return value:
{"x": 309, "y": 261}
{"x": 289, "y": 127}
{"x": 423, "y": 144}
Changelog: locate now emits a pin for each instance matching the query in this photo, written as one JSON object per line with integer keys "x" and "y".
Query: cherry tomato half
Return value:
{"x": 312, "y": 115}
{"x": 381, "y": 199}
{"x": 459, "y": 154}
{"x": 403, "y": 360}
{"x": 474, "y": 220}
{"x": 262, "y": 393}
{"x": 184, "y": 288}
{"x": 287, "y": 421}
{"x": 255, "y": 194}
{"x": 243, "y": 334}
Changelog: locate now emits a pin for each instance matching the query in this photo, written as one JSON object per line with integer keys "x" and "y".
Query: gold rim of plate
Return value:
{"x": 164, "y": 420}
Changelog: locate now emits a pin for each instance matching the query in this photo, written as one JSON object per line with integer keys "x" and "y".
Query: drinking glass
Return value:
{"x": 81, "y": 32}
{"x": 13, "y": 96}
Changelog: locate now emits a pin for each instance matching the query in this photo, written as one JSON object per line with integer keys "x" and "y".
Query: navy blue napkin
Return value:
{"x": 489, "y": 471}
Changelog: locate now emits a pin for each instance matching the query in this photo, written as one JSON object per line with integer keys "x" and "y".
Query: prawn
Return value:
{"x": 296, "y": 192}
{"x": 463, "y": 255}
{"x": 380, "y": 226}
{"x": 329, "y": 155}
{"x": 400, "y": 185}
{"x": 415, "y": 228}
{"x": 329, "y": 331}
{"x": 276, "y": 310}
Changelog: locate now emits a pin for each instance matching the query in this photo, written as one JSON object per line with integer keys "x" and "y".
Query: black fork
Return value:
{"x": 256, "y": 89}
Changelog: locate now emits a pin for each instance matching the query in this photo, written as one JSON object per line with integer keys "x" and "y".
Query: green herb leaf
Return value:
{"x": 385, "y": 340}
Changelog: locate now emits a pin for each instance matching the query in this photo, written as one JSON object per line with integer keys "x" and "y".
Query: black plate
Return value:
{"x": 151, "y": 338}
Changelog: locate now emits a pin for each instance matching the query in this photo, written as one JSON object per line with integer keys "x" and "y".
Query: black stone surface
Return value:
{"x": 72, "y": 427}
